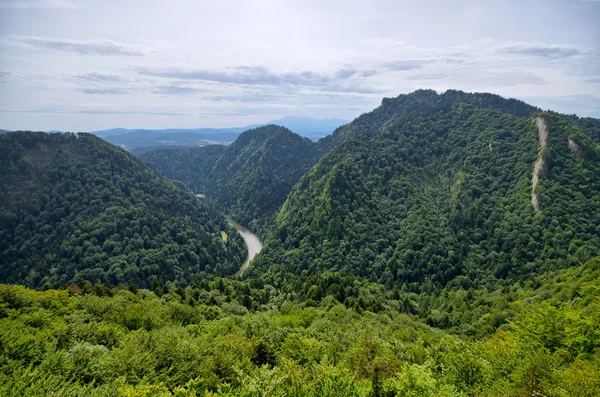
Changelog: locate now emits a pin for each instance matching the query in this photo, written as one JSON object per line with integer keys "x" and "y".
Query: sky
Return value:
{"x": 97, "y": 64}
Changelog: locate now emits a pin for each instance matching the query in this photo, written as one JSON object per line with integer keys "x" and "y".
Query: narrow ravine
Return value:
{"x": 253, "y": 244}
{"x": 542, "y": 127}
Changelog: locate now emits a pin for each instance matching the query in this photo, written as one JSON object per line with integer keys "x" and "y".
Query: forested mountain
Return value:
{"x": 249, "y": 179}
{"x": 252, "y": 178}
{"x": 191, "y": 166}
{"x": 432, "y": 187}
{"x": 75, "y": 207}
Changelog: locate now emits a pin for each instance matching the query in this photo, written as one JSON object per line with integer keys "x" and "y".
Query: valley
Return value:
{"x": 442, "y": 244}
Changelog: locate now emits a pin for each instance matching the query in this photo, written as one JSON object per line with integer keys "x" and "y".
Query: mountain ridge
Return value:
{"x": 75, "y": 206}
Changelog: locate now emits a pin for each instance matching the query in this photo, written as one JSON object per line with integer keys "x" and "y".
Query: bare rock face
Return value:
{"x": 542, "y": 127}
{"x": 573, "y": 145}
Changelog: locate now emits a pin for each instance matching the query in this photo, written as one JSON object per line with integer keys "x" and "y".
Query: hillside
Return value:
{"x": 433, "y": 187}
{"x": 252, "y": 178}
{"x": 191, "y": 166}
{"x": 249, "y": 179}
{"x": 75, "y": 207}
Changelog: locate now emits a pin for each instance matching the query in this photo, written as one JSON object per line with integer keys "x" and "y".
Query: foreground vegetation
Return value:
{"x": 203, "y": 341}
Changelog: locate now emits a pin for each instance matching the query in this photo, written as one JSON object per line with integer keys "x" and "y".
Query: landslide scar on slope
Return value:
{"x": 542, "y": 127}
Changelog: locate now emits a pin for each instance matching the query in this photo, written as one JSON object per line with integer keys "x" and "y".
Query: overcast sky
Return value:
{"x": 88, "y": 65}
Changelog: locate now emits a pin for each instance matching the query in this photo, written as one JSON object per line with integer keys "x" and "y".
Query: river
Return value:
{"x": 252, "y": 243}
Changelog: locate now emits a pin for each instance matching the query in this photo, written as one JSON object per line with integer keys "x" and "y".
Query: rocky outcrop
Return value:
{"x": 542, "y": 127}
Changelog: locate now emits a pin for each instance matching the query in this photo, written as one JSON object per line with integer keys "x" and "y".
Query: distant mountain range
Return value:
{"x": 135, "y": 140}
{"x": 140, "y": 140}
{"x": 304, "y": 126}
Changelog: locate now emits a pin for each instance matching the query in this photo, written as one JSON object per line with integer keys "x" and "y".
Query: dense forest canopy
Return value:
{"x": 74, "y": 206}
{"x": 249, "y": 179}
{"x": 440, "y": 245}
{"x": 202, "y": 341}
{"x": 253, "y": 177}
{"x": 192, "y": 166}
{"x": 417, "y": 191}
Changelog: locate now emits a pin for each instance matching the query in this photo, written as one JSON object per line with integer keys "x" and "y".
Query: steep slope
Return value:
{"x": 253, "y": 177}
{"x": 435, "y": 186}
{"x": 190, "y": 166}
{"x": 542, "y": 127}
{"x": 74, "y": 206}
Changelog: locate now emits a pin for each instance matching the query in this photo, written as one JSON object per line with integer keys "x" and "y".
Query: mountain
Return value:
{"x": 248, "y": 179}
{"x": 438, "y": 187}
{"x": 440, "y": 245}
{"x": 252, "y": 178}
{"x": 75, "y": 207}
{"x": 111, "y": 132}
{"x": 167, "y": 131}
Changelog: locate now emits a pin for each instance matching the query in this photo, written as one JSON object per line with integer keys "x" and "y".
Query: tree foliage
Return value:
{"x": 189, "y": 342}
{"x": 418, "y": 191}
{"x": 74, "y": 206}
{"x": 192, "y": 166}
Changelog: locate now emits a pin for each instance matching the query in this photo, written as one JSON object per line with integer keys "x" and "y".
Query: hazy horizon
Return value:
{"x": 95, "y": 65}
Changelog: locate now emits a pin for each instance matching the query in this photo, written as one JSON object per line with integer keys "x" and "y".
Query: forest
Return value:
{"x": 192, "y": 166}
{"x": 402, "y": 257}
{"x": 75, "y": 207}
{"x": 442, "y": 196}
{"x": 250, "y": 178}
{"x": 204, "y": 341}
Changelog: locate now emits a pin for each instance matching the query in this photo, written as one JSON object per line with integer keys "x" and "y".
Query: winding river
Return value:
{"x": 252, "y": 243}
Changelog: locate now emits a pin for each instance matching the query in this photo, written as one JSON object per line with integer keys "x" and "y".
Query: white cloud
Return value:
{"x": 45, "y": 4}
{"x": 191, "y": 64}
{"x": 81, "y": 47}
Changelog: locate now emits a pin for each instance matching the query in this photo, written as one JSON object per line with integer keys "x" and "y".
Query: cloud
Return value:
{"x": 37, "y": 4}
{"x": 4, "y": 76}
{"x": 81, "y": 47}
{"x": 399, "y": 66}
{"x": 582, "y": 105}
{"x": 548, "y": 51}
{"x": 178, "y": 90}
{"x": 103, "y": 91}
{"x": 248, "y": 75}
{"x": 97, "y": 111}
{"x": 429, "y": 76}
{"x": 351, "y": 89}
{"x": 345, "y": 73}
{"x": 100, "y": 77}
{"x": 594, "y": 80}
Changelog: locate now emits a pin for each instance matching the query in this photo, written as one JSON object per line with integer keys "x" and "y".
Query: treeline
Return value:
{"x": 74, "y": 206}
